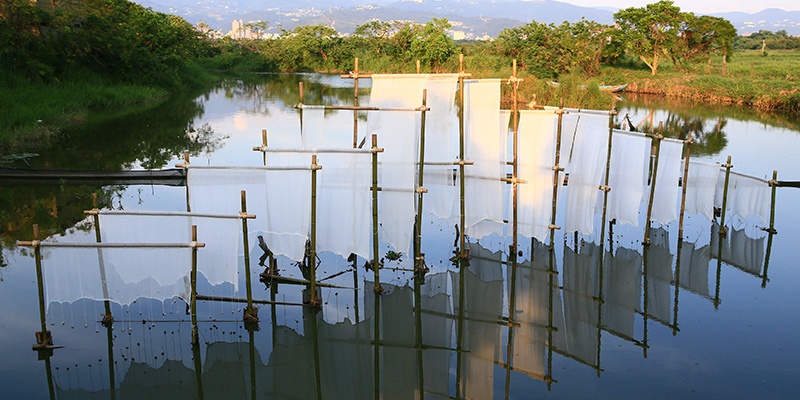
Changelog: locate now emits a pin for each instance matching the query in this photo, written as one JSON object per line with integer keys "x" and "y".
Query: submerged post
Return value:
{"x": 193, "y": 296}
{"x": 375, "y": 227}
{"x": 313, "y": 256}
{"x": 418, "y": 262}
{"x": 43, "y": 338}
{"x": 722, "y": 229}
{"x": 556, "y": 170}
{"x": 771, "y": 230}
{"x": 462, "y": 248}
{"x": 355, "y": 103}
{"x": 684, "y": 186}
{"x": 657, "y": 138}
{"x": 251, "y": 312}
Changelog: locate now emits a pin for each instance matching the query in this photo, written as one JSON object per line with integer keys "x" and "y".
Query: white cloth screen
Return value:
{"x": 628, "y": 154}
{"x": 440, "y": 122}
{"x": 665, "y": 200}
{"x": 586, "y": 173}
{"x": 398, "y": 135}
{"x": 344, "y": 203}
{"x": 537, "y": 141}
{"x": 701, "y": 183}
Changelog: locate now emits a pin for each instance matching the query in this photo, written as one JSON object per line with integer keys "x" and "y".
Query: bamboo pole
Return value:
{"x": 264, "y": 144}
{"x": 515, "y": 167}
{"x": 418, "y": 280}
{"x": 418, "y": 67}
{"x": 194, "y": 290}
{"x": 418, "y": 262}
{"x": 657, "y": 139}
{"x": 252, "y": 349}
{"x": 250, "y": 313}
{"x": 605, "y": 187}
{"x": 313, "y": 257}
{"x": 197, "y": 361}
{"x": 722, "y": 229}
{"x": 771, "y": 229}
{"x": 315, "y": 348}
{"x": 375, "y": 228}
{"x": 645, "y": 292}
{"x": 355, "y": 104}
{"x": 684, "y": 187}
{"x": 43, "y": 338}
{"x": 185, "y": 166}
{"x": 461, "y": 171}
{"x": 351, "y": 108}
{"x": 462, "y": 264}
{"x": 376, "y": 370}
{"x": 556, "y": 170}
{"x": 107, "y": 317}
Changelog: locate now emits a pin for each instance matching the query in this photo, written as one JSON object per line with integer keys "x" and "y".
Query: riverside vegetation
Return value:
{"x": 62, "y": 63}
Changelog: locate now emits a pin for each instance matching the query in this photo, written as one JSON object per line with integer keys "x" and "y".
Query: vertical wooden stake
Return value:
{"x": 313, "y": 258}
{"x": 193, "y": 300}
{"x": 606, "y": 189}
{"x": 249, "y": 310}
{"x": 418, "y": 67}
{"x": 186, "y": 173}
{"x": 355, "y": 103}
{"x": 43, "y": 338}
{"x": 418, "y": 222}
{"x": 722, "y": 229}
{"x": 556, "y": 169}
{"x": 652, "y": 188}
{"x": 515, "y": 167}
{"x": 302, "y": 101}
{"x": 771, "y": 229}
{"x": 462, "y": 249}
{"x": 264, "y": 144}
{"x": 375, "y": 227}
{"x": 684, "y": 186}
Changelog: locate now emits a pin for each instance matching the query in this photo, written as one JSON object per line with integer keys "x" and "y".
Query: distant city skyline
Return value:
{"x": 707, "y": 6}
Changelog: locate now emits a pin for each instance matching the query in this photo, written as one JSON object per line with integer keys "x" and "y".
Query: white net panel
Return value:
{"x": 398, "y": 135}
{"x": 485, "y": 145}
{"x": 344, "y": 203}
{"x": 280, "y": 199}
{"x": 219, "y": 260}
{"x": 440, "y": 123}
{"x": 701, "y": 183}
{"x": 628, "y": 154}
{"x": 537, "y": 140}
{"x": 586, "y": 173}
{"x": 665, "y": 200}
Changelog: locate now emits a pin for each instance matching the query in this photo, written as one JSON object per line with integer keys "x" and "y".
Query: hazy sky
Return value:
{"x": 703, "y": 6}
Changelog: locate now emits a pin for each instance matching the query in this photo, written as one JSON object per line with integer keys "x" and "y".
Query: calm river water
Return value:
{"x": 713, "y": 329}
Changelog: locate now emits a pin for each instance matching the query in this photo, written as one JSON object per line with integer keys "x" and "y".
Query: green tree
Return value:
{"x": 649, "y": 32}
{"x": 431, "y": 45}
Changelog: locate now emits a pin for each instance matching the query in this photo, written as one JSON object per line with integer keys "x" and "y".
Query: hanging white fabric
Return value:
{"x": 398, "y": 135}
{"x": 485, "y": 146}
{"x": 665, "y": 199}
{"x": 586, "y": 173}
{"x": 344, "y": 203}
{"x": 701, "y": 184}
{"x": 280, "y": 199}
{"x": 694, "y": 267}
{"x": 440, "y": 123}
{"x": 629, "y": 152}
{"x": 532, "y": 307}
{"x": 750, "y": 196}
{"x": 74, "y": 273}
{"x": 621, "y": 290}
{"x": 218, "y": 262}
{"x": 313, "y": 121}
{"x": 537, "y": 147}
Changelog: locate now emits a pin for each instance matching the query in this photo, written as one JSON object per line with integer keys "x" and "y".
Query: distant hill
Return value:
{"x": 770, "y": 19}
{"x": 472, "y": 18}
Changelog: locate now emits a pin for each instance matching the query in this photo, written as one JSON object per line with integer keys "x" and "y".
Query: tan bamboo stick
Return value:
{"x": 250, "y": 313}
{"x": 194, "y": 287}
{"x": 43, "y": 338}
{"x": 722, "y": 229}
{"x": 301, "y": 105}
{"x": 313, "y": 258}
{"x": 684, "y": 186}
{"x": 657, "y": 139}
{"x": 514, "y": 168}
{"x": 107, "y": 317}
{"x": 185, "y": 166}
{"x": 263, "y": 144}
{"x": 418, "y": 262}
{"x": 418, "y": 66}
{"x": 355, "y": 104}
{"x": 771, "y": 229}
{"x": 461, "y": 171}
{"x": 375, "y": 228}
{"x": 556, "y": 170}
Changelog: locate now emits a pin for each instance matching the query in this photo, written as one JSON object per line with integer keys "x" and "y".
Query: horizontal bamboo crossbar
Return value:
{"x": 169, "y": 214}
{"x": 582, "y": 111}
{"x": 37, "y": 243}
{"x": 238, "y": 300}
{"x": 256, "y": 168}
{"x": 266, "y": 149}
{"x": 354, "y": 108}
{"x": 356, "y": 75}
